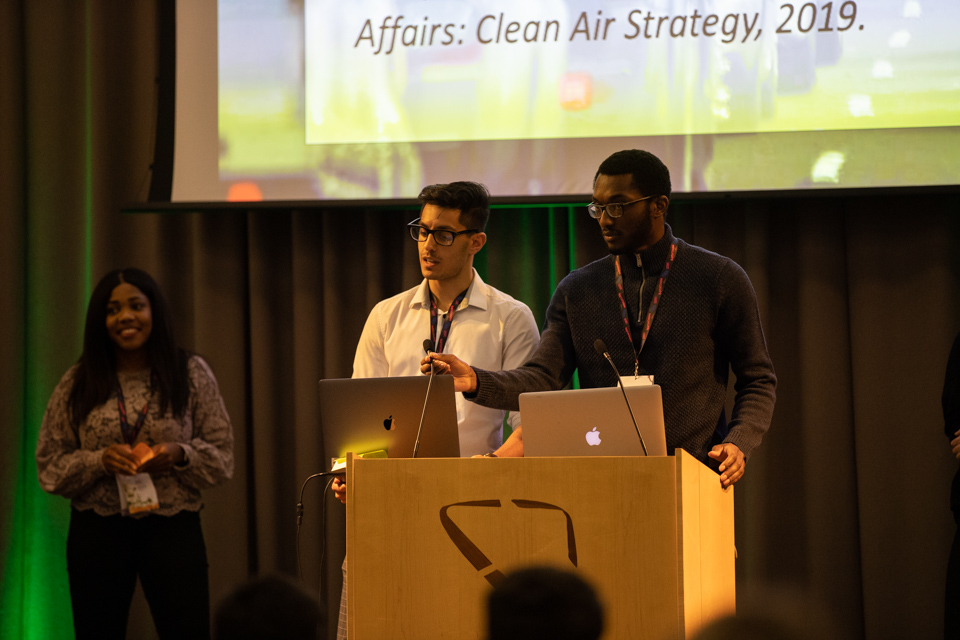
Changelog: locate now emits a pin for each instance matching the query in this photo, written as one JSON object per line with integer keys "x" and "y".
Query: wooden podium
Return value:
{"x": 426, "y": 539}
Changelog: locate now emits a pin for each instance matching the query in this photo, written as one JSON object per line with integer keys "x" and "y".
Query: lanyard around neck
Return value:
{"x": 651, "y": 310}
{"x": 129, "y": 431}
{"x": 438, "y": 342}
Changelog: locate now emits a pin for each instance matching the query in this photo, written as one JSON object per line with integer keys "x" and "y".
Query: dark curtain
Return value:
{"x": 845, "y": 503}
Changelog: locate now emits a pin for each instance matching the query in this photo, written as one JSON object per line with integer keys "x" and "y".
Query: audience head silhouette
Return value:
{"x": 542, "y": 602}
{"x": 272, "y": 607}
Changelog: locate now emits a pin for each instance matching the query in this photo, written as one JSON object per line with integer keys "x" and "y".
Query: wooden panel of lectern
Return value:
{"x": 426, "y": 539}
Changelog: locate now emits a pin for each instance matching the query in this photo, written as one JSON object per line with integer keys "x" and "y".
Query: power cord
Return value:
{"x": 323, "y": 518}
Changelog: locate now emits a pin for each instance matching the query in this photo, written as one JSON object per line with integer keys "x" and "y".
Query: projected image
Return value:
{"x": 550, "y": 69}
{"x": 372, "y": 99}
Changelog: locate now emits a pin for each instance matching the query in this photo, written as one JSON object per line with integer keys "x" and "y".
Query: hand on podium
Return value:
{"x": 732, "y": 462}
{"x": 339, "y": 487}
{"x": 512, "y": 448}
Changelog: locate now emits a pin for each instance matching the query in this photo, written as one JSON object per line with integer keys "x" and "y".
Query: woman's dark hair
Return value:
{"x": 96, "y": 374}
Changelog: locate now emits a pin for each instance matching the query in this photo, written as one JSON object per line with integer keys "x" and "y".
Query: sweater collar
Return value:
{"x": 653, "y": 258}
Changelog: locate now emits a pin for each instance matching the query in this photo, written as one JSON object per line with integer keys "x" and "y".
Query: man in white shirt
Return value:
{"x": 487, "y": 324}
{"x": 453, "y": 307}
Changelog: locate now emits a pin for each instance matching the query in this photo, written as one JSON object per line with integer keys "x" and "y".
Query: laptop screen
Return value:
{"x": 593, "y": 422}
{"x": 369, "y": 414}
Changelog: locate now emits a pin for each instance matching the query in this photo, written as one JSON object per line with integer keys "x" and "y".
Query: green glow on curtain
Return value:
{"x": 552, "y": 247}
{"x": 36, "y": 601}
{"x": 35, "y": 593}
{"x": 11, "y": 596}
{"x": 536, "y": 248}
{"x": 38, "y": 544}
{"x": 572, "y": 252}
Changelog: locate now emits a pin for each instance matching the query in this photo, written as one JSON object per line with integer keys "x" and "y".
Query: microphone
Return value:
{"x": 601, "y": 348}
{"x": 428, "y": 346}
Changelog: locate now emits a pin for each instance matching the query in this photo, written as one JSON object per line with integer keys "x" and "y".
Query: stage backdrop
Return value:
{"x": 846, "y": 501}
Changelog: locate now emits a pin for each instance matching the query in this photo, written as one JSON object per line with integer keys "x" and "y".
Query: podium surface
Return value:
{"x": 427, "y": 538}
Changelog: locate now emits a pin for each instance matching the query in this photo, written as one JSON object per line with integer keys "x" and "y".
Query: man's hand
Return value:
{"x": 118, "y": 458}
{"x": 512, "y": 448}
{"x": 732, "y": 462}
{"x": 955, "y": 445}
{"x": 464, "y": 377}
{"x": 340, "y": 488}
{"x": 165, "y": 455}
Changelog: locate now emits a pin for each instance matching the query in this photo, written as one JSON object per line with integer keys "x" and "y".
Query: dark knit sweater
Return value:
{"x": 706, "y": 324}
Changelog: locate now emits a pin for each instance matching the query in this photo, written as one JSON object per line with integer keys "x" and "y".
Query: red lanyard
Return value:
{"x": 445, "y": 331}
{"x": 130, "y": 431}
{"x": 651, "y": 310}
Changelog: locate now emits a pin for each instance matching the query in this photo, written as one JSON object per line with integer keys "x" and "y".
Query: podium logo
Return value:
{"x": 593, "y": 438}
{"x": 472, "y": 552}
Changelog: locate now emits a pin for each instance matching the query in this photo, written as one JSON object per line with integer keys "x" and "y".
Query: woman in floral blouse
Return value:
{"x": 134, "y": 430}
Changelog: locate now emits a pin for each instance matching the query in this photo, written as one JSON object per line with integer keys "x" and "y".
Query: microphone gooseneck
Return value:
{"x": 601, "y": 348}
{"x": 428, "y": 346}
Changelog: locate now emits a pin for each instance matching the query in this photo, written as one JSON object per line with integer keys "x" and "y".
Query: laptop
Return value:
{"x": 363, "y": 415}
{"x": 592, "y": 422}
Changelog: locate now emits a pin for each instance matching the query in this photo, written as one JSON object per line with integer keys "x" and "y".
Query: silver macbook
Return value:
{"x": 592, "y": 422}
{"x": 369, "y": 414}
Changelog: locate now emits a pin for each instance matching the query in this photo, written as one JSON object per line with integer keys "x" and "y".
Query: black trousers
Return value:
{"x": 951, "y": 618}
{"x": 106, "y": 554}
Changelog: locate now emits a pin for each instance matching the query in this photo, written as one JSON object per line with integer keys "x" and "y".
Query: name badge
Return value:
{"x": 636, "y": 381}
{"x": 137, "y": 493}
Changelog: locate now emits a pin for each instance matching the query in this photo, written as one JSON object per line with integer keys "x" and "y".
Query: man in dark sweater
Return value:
{"x": 680, "y": 313}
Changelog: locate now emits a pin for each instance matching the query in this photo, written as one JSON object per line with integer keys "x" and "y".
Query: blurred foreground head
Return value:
{"x": 273, "y": 607}
{"x": 542, "y": 602}
{"x": 772, "y": 612}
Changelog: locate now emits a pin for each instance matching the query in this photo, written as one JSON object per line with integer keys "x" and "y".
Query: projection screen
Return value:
{"x": 369, "y": 100}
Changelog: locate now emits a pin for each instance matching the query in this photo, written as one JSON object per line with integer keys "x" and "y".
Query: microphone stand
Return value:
{"x": 428, "y": 347}
{"x": 601, "y": 348}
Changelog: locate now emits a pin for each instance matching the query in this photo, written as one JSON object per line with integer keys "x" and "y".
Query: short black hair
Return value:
{"x": 543, "y": 603}
{"x": 649, "y": 173}
{"x": 471, "y": 198}
{"x": 270, "y": 607}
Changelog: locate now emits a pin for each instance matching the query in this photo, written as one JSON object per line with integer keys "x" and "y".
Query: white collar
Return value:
{"x": 476, "y": 294}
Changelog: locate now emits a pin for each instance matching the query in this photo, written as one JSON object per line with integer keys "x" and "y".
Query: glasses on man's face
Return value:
{"x": 443, "y": 237}
{"x": 614, "y": 209}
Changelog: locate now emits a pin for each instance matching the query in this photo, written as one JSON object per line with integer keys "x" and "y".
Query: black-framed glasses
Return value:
{"x": 443, "y": 237}
{"x": 614, "y": 209}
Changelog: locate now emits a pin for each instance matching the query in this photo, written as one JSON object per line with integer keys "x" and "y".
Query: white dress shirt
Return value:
{"x": 490, "y": 330}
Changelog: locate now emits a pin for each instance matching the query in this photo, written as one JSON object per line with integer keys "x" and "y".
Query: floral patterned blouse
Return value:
{"x": 69, "y": 460}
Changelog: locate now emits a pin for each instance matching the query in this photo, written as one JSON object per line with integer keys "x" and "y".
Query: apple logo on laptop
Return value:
{"x": 388, "y": 423}
{"x": 593, "y": 437}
